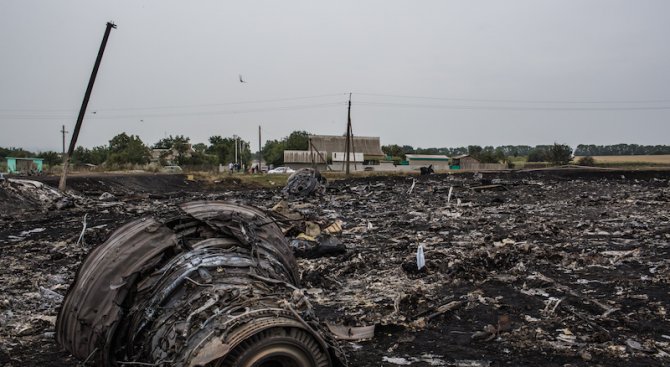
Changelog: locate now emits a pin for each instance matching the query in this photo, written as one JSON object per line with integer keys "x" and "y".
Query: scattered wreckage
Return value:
{"x": 217, "y": 286}
{"x": 517, "y": 269}
{"x": 305, "y": 182}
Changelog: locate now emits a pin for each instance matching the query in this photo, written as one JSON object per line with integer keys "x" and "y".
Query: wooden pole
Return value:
{"x": 260, "y": 149}
{"x": 64, "y": 132}
{"x": 348, "y": 141}
{"x": 82, "y": 111}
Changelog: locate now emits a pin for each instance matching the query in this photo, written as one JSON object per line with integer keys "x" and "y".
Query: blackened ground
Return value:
{"x": 557, "y": 268}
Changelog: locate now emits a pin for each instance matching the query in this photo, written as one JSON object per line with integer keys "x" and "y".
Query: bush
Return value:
{"x": 586, "y": 161}
{"x": 559, "y": 154}
{"x": 537, "y": 155}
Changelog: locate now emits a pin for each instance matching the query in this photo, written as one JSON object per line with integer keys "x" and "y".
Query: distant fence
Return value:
{"x": 472, "y": 166}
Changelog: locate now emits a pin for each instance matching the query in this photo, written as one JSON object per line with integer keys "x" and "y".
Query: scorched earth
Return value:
{"x": 557, "y": 268}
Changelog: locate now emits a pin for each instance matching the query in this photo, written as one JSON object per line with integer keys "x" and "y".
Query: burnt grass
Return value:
{"x": 555, "y": 268}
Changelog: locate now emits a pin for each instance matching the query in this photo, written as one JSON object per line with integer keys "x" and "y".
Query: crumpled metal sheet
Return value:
{"x": 92, "y": 308}
{"x": 305, "y": 182}
{"x": 190, "y": 292}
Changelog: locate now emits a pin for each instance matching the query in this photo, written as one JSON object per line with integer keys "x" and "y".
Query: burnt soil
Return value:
{"x": 544, "y": 268}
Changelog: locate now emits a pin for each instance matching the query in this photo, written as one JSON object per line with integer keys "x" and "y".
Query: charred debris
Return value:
{"x": 217, "y": 286}
{"x": 543, "y": 268}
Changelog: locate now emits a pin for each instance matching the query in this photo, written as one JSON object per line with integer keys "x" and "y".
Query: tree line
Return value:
{"x": 124, "y": 149}
{"x": 621, "y": 149}
{"x": 557, "y": 153}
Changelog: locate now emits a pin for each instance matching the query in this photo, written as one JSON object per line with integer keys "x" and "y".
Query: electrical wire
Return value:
{"x": 70, "y": 110}
{"x": 516, "y": 100}
{"x": 201, "y": 109}
{"x": 99, "y": 116}
{"x": 509, "y": 108}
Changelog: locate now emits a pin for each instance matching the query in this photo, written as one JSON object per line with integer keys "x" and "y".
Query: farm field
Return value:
{"x": 653, "y": 159}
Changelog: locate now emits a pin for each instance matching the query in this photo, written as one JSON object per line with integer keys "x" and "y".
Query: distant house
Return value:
{"x": 369, "y": 146}
{"x": 24, "y": 165}
{"x": 439, "y": 162}
{"x": 169, "y": 155}
{"x": 330, "y": 151}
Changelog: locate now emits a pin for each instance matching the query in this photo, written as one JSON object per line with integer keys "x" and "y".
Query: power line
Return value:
{"x": 511, "y": 108}
{"x": 98, "y": 116}
{"x": 176, "y": 106}
{"x": 101, "y": 113}
{"x": 516, "y": 100}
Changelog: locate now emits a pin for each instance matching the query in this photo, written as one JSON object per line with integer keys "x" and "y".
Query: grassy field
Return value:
{"x": 609, "y": 159}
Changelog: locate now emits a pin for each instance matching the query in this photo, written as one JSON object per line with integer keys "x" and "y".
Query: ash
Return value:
{"x": 550, "y": 269}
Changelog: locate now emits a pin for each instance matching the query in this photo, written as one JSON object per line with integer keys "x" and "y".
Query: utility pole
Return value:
{"x": 311, "y": 152}
{"x": 260, "y": 149}
{"x": 84, "y": 104}
{"x": 348, "y": 141}
{"x": 235, "y": 137}
{"x": 64, "y": 132}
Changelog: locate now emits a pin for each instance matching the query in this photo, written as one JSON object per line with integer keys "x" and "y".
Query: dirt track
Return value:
{"x": 549, "y": 269}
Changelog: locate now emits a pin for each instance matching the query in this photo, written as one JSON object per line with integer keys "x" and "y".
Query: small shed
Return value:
{"x": 24, "y": 165}
{"x": 464, "y": 161}
{"x": 439, "y": 162}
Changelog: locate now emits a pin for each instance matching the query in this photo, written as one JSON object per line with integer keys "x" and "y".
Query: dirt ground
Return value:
{"x": 545, "y": 268}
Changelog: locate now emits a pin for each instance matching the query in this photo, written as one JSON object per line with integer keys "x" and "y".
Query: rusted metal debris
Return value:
{"x": 305, "y": 182}
{"x": 216, "y": 286}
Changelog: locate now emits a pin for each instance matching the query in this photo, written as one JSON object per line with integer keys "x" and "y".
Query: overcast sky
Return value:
{"x": 424, "y": 73}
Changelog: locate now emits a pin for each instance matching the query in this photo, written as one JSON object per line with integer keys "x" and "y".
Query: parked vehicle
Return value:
{"x": 281, "y": 170}
{"x": 171, "y": 169}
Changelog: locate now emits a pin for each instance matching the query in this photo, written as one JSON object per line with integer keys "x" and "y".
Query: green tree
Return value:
{"x": 408, "y": 149}
{"x": 99, "y": 154}
{"x": 559, "y": 154}
{"x": 537, "y": 154}
{"x": 81, "y": 155}
{"x": 125, "y": 148}
{"x": 298, "y": 140}
{"x": 394, "y": 150}
{"x": 199, "y": 158}
{"x": 170, "y": 141}
{"x": 221, "y": 148}
{"x": 244, "y": 152}
{"x": 474, "y": 150}
{"x": 15, "y": 152}
{"x": 51, "y": 158}
{"x": 224, "y": 149}
{"x": 200, "y": 147}
{"x": 182, "y": 146}
{"x": 179, "y": 143}
{"x": 273, "y": 152}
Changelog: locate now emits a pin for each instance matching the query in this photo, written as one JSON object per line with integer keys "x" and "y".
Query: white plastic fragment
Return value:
{"x": 420, "y": 260}
{"x": 451, "y": 189}
{"x": 83, "y": 230}
{"x": 396, "y": 360}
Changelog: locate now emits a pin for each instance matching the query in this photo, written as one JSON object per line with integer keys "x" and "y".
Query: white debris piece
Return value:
{"x": 396, "y": 360}
{"x": 420, "y": 260}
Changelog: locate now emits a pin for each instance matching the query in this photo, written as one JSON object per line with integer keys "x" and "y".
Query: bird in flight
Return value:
{"x": 241, "y": 79}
